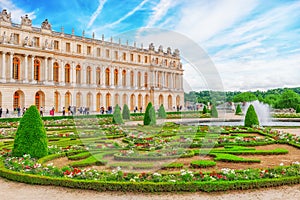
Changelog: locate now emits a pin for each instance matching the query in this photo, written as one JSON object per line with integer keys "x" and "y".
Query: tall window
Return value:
{"x": 131, "y": 57}
{"x": 116, "y": 77}
{"x": 36, "y": 41}
{"x": 107, "y": 77}
{"x": 16, "y": 100}
{"x": 16, "y": 38}
{"x": 98, "y": 76}
{"x": 139, "y": 58}
{"x": 124, "y": 56}
{"x": 139, "y": 84}
{"x": 68, "y": 47}
{"x": 78, "y": 74}
{"x": 131, "y": 79}
{"x": 55, "y": 72}
{"x": 78, "y": 48}
{"x": 16, "y": 68}
{"x": 56, "y": 45}
{"x": 124, "y": 78}
{"x": 67, "y": 73}
{"x": 116, "y": 55}
{"x": 88, "y": 50}
{"x": 37, "y": 70}
{"x": 146, "y": 59}
{"x": 98, "y": 52}
{"x": 88, "y": 75}
{"x": 146, "y": 79}
{"x": 107, "y": 53}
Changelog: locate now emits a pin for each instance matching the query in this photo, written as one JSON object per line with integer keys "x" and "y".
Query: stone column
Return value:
{"x": 135, "y": 74}
{"x": 11, "y": 56}
{"x": 26, "y": 69}
{"x": 3, "y": 67}
{"x": 142, "y": 79}
{"x": 102, "y": 78}
{"x": 93, "y": 81}
{"x": 73, "y": 73}
{"x": 119, "y": 77}
{"x": 128, "y": 83}
{"x": 32, "y": 70}
{"x": 83, "y": 76}
{"x": 51, "y": 70}
{"x": 46, "y": 70}
{"x": 163, "y": 84}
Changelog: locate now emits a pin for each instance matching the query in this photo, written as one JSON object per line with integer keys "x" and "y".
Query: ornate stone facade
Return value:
{"x": 53, "y": 69}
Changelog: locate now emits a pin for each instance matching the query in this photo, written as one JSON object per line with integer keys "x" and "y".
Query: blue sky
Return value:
{"x": 253, "y": 44}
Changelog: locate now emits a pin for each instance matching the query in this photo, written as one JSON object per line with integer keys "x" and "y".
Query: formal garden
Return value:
{"x": 104, "y": 153}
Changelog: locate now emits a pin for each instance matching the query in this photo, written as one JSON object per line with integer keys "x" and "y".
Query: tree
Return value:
{"x": 126, "y": 112}
{"x": 214, "y": 111}
{"x": 117, "y": 117}
{"x": 288, "y": 99}
{"x": 152, "y": 116}
{"x": 147, "y": 119}
{"x": 31, "y": 137}
{"x": 161, "y": 112}
{"x": 238, "y": 110}
{"x": 244, "y": 97}
{"x": 251, "y": 118}
{"x": 204, "y": 111}
{"x": 298, "y": 109}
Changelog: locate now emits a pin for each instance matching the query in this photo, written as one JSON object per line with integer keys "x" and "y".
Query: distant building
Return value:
{"x": 54, "y": 69}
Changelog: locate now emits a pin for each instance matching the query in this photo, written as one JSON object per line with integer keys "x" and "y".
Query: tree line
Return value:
{"x": 277, "y": 98}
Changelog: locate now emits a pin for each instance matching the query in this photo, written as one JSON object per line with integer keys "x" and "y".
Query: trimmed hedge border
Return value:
{"x": 147, "y": 186}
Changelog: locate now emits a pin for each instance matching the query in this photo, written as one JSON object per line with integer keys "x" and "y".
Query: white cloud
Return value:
{"x": 96, "y": 13}
{"x": 16, "y": 13}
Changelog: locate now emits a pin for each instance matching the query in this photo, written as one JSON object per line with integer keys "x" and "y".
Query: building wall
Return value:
{"x": 31, "y": 45}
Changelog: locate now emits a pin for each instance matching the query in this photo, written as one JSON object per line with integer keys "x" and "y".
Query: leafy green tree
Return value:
{"x": 126, "y": 112}
{"x": 161, "y": 112}
{"x": 214, "y": 112}
{"x": 244, "y": 97}
{"x": 298, "y": 109}
{"x": 238, "y": 110}
{"x": 251, "y": 118}
{"x": 117, "y": 117}
{"x": 152, "y": 116}
{"x": 147, "y": 119}
{"x": 204, "y": 111}
{"x": 31, "y": 137}
{"x": 288, "y": 99}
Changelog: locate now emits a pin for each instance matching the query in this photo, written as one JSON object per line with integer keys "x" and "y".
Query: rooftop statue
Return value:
{"x": 46, "y": 25}
{"x": 26, "y": 21}
{"x": 4, "y": 16}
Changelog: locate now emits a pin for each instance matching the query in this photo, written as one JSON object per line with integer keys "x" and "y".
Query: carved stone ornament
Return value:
{"x": 46, "y": 25}
{"x": 26, "y": 21}
{"x": 151, "y": 47}
{"x": 4, "y": 16}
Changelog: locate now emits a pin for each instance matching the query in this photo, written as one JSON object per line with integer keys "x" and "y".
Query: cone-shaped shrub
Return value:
{"x": 251, "y": 117}
{"x": 117, "y": 117}
{"x": 161, "y": 112}
{"x": 238, "y": 110}
{"x": 214, "y": 112}
{"x": 204, "y": 111}
{"x": 152, "y": 116}
{"x": 147, "y": 118}
{"x": 126, "y": 112}
{"x": 31, "y": 135}
{"x": 298, "y": 109}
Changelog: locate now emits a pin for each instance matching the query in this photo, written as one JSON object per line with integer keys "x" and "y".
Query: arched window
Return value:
{"x": 139, "y": 84}
{"x": 98, "y": 76}
{"x": 37, "y": 70}
{"x": 159, "y": 81}
{"x": 124, "y": 78}
{"x": 108, "y": 99}
{"x": 16, "y": 68}
{"x": 55, "y": 72}
{"x": 78, "y": 100}
{"x": 56, "y": 101}
{"x": 98, "y": 102}
{"x": 132, "y": 102}
{"x": 107, "y": 77}
{"x": 88, "y": 75}
{"x": 170, "y": 104}
{"x": 146, "y": 79}
{"x": 67, "y": 100}
{"x": 161, "y": 99}
{"x": 39, "y": 99}
{"x": 116, "y": 77}
{"x": 117, "y": 99}
{"x": 131, "y": 79}
{"x": 78, "y": 74}
{"x": 167, "y": 80}
{"x": 89, "y": 101}
{"x": 67, "y": 73}
{"x": 16, "y": 100}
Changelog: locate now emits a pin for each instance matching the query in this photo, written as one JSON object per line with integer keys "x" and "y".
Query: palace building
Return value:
{"x": 54, "y": 69}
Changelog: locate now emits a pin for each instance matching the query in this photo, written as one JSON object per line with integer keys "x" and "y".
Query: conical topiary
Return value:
{"x": 117, "y": 117}
{"x": 126, "y": 112}
{"x": 147, "y": 118}
{"x": 238, "y": 110}
{"x": 214, "y": 112}
{"x": 152, "y": 116}
{"x": 251, "y": 118}
{"x": 204, "y": 111}
{"x": 161, "y": 112}
{"x": 31, "y": 137}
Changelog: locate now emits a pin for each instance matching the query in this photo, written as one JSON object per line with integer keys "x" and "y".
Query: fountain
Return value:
{"x": 262, "y": 111}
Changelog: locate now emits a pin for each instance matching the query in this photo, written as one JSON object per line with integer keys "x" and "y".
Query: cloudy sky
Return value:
{"x": 254, "y": 44}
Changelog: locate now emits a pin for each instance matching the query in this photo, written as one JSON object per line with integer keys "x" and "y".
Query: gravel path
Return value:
{"x": 19, "y": 191}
